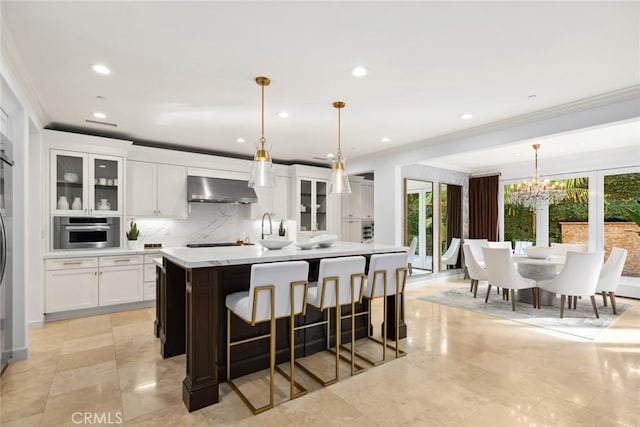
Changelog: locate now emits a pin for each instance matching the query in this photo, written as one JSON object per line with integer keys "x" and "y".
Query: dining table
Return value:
{"x": 539, "y": 269}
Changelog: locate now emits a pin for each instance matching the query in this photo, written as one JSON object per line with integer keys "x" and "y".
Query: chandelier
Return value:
{"x": 537, "y": 192}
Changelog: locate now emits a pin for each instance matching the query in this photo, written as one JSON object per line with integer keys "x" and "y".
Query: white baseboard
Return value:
{"x": 36, "y": 324}
{"x": 19, "y": 354}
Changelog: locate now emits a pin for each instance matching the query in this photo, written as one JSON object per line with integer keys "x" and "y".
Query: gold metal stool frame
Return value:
{"x": 272, "y": 345}
{"x": 338, "y": 321}
{"x": 398, "y": 352}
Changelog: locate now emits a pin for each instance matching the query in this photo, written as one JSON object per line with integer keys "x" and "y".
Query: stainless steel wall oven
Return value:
{"x": 76, "y": 232}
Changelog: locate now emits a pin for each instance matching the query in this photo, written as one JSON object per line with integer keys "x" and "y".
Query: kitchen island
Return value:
{"x": 192, "y": 315}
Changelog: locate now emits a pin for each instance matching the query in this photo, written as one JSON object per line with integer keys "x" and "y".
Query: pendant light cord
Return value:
{"x": 262, "y": 138}
{"x": 339, "y": 137}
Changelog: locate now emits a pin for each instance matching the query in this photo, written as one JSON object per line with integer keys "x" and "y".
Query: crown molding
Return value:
{"x": 620, "y": 95}
{"x": 19, "y": 70}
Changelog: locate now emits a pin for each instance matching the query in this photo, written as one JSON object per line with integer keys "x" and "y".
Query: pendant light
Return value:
{"x": 339, "y": 183}
{"x": 262, "y": 169}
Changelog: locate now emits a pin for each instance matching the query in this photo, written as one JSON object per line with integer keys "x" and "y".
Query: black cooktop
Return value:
{"x": 210, "y": 245}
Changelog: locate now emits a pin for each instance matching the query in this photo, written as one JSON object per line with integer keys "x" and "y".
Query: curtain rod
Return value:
{"x": 486, "y": 174}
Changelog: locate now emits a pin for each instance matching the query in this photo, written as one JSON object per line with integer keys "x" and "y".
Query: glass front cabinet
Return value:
{"x": 312, "y": 209}
{"x": 85, "y": 184}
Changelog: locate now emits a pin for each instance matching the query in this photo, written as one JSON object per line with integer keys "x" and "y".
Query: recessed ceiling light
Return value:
{"x": 533, "y": 95}
{"x": 240, "y": 140}
{"x": 99, "y": 115}
{"x": 101, "y": 69}
{"x": 466, "y": 116}
{"x": 329, "y": 156}
{"x": 359, "y": 71}
{"x": 385, "y": 139}
{"x": 282, "y": 114}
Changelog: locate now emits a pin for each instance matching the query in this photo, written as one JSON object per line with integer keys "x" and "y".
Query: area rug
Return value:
{"x": 578, "y": 323}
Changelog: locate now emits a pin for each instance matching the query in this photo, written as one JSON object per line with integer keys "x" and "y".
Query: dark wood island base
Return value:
{"x": 192, "y": 319}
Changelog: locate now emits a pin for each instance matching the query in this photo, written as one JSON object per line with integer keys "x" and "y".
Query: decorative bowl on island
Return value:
{"x": 325, "y": 240}
{"x": 274, "y": 243}
{"x": 539, "y": 252}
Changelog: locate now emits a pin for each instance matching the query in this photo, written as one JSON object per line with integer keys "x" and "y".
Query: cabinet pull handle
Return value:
{"x": 72, "y": 263}
{"x": 95, "y": 273}
{"x": 101, "y": 273}
{"x": 122, "y": 260}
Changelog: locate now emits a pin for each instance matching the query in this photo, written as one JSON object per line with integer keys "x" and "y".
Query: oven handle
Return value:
{"x": 86, "y": 228}
{"x": 4, "y": 247}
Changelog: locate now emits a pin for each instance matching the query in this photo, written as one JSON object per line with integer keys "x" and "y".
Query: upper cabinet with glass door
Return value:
{"x": 313, "y": 205}
{"x": 85, "y": 184}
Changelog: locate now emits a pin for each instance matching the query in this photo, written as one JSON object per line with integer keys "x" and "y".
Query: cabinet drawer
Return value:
{"x": 114, "y": 261}
{"x": 148, "y": 258}
{"x": 150, "y": 273}
{"x": 68, "y": 263}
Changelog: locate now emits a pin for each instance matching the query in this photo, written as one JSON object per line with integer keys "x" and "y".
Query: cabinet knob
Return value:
{"x": 101, "y": 273}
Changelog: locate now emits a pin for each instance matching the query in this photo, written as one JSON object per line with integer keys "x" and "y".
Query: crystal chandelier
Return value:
{"x": 537, "y": 192}
{"x": 339, "y": 183}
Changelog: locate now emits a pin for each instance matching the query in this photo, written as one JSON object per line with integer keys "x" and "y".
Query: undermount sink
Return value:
{"x": 274, "y": 243}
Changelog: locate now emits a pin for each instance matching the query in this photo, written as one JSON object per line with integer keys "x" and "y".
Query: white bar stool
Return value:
{"x": 387, "y": 276}
{"x": 276, "y": 290}
{"x": 340, "y": 282}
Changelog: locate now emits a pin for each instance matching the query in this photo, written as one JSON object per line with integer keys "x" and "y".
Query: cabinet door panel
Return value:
{"x": 141, "y": 188}
{"x": 69, "y": 176}
{"x": 280, "y": 197}
{"x": 366, "y": 201}
{"x": 71, "y": 289}
{"x": 172, "y": 191}
{"x": 120, "y": 285}
{"x": 105, "y": 184}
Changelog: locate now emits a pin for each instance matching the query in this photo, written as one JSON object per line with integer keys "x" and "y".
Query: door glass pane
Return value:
{"x": 321, "y": 206}
{"x": 106, "y": 184}
{"x": 519, "y": 222}
{"x": 305, "y": 205}
{"x": 69, "y": 173}
{"x": 419, "y": 223}
{"x": 621, "y": 193}
{"x": 569, "y": 219}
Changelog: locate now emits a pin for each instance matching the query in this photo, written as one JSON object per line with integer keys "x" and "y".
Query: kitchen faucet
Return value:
{"x": 270, "y": 224}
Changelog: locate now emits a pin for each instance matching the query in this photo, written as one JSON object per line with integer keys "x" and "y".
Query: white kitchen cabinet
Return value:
{"x": 149, "y": 277}
{"x": 156, "y": 190}
{"x": 351, "y": 202}
{"x": 85, "y": 184}
{"x": 351, "y": 230}
{"x": 313, "y": 205}
{"x": 120, "y": 279}
{"x": 366, "y": 200}
{"x": 72, "y": 284}
{"x": 274, "y": 201}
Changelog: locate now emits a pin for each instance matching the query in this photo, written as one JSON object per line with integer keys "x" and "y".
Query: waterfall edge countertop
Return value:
{"x": 238, "y": 255}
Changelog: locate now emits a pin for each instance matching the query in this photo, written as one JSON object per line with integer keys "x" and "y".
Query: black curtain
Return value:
{"x": 454, "y": 216}
{"x": 483, "y": 207}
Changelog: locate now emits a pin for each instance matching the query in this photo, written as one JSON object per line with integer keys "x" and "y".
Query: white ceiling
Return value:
{"x": 183, "y": 72}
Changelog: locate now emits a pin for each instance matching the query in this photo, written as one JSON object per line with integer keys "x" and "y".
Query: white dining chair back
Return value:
{"x": 391, "y": 263}
{"x": 281, "y": 275}
{"x": 501, "y": 270}
{"x": 499, "y": 245}
{"x": 476, "y": 248}
{"x": 610, "y": 276}
{"x": 342, "y": 269}
{"x": 561, "y": 249}
{"x": 476, "y": 272}
{"x": 450, "y": 257}
{"x": 579, "y": 276}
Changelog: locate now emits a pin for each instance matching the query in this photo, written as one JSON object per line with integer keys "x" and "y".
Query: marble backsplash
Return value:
{"x": 206, "y": 223}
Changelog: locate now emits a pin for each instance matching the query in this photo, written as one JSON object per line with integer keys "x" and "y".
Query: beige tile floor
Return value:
{"x": 462, "y": 369}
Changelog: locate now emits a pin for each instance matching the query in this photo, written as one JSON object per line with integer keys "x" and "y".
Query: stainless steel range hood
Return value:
{"x": 219, "y": 190}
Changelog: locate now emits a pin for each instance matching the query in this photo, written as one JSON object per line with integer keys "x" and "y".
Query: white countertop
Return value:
{"x": 238, "y": 255}
{"x": 75, "y": 253}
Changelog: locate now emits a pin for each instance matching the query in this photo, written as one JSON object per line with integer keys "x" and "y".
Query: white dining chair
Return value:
{"x": 450, "y": 257}
{"x": 411, "y": 253}
{"x": 501, "y": 271}
{"x": 499, "y": 245}
{"x": 578, "y": 278}
{"x": 610, "y": 276}
{"x": 476, "y": 249}
{"x": 476, "y": 273}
